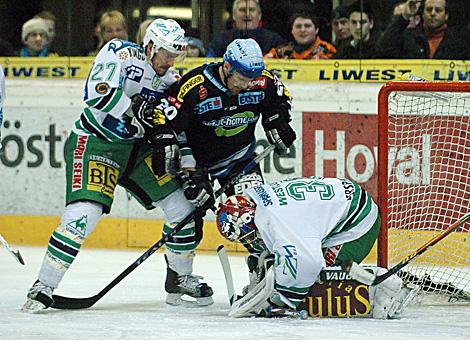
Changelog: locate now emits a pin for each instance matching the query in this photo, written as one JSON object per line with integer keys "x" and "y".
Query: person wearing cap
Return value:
{"x": 340, "y": 25}
{"x": 195, "y": 47}
{"x": 35, "y": 37}
{"x": 307, "y": 43}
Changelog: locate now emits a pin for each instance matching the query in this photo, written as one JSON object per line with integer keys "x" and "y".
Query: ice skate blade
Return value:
{"x": 176, "y": 299}
{"x": 33, "y": 307}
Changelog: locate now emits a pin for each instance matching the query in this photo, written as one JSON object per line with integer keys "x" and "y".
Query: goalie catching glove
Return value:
{"x": 197, "y": 188}
{"x": 278, "y": 131}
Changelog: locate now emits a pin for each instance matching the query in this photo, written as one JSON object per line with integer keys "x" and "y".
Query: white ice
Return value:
{"x": 136, "y": 309}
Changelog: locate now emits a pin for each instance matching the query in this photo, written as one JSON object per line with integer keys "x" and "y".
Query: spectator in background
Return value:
{"x": 432, "y": 39}
{"x": 195, "y": 47}
{"x": 247, "y": 16}
{"x": 400, "y": 8}
{"x": 340, "y": 25}
{"x": 139, "y": 37}
{"x": 364, "y": 39}
{"x": 112, "y": 25}
{"x": 307, "y": 44}
{"x": 50, "y": 20}
{"x": 35, "y": 37}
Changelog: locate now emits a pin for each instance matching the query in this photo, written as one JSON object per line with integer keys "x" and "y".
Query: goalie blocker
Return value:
{"x": 334, "y": 294}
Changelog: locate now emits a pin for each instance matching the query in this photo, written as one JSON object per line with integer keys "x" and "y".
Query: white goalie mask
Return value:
{"x": 166, "y": 34}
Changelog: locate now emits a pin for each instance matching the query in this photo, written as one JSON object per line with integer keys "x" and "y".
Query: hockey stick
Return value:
{"x": 422, "y": 249}
{"x": 16, "y": 254}
{"x": 227, "y": 273}
{"x": 63, "y": 302}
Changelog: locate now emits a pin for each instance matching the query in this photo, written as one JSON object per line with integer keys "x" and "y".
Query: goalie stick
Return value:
{"x": 227, "y": 273}
{"x": 16, "y": 254}
{"x": 63, "y": 302}
{"x": 270, "y": 312}
{"x": 465, "y": 218}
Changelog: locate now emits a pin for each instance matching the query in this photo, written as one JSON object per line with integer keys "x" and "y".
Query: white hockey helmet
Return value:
{"x": 166, "y": 34}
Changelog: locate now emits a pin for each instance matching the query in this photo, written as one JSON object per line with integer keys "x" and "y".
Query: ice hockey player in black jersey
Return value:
{"x": 218, "y": 106}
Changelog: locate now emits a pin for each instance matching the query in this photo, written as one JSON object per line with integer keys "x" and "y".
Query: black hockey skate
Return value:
{"x": 177, "y": 286}
{"x": 39, "y": 298}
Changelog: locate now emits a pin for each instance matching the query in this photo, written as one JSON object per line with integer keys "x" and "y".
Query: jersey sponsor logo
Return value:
{"x": 134, "y": 73}
{"x": 156, "y": 81}
{"x": 123, "y": 55}
{"x": 208, "y": 105}
{"x": 173, "y": 101}
{"x": 330, "y": 255}
{"x": 202, "y": 92}
{"x": 258, "y": 83}
{"x": 229, "y": 126}
{"x": 264, "y": 195}
{"x": 280, "y": 193}
{"x": 77, "y": 172}
{"x": 250, "y": 98}
{"x": 136, "y": 53}
{"x": 102, "y": 88}
{"x": 102, "y": 177}
{"x": 188, "y": 85}
{"x": 289, "y": 264}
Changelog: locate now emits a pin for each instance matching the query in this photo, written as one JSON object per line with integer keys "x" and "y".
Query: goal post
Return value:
{"x": 424, "y": 181}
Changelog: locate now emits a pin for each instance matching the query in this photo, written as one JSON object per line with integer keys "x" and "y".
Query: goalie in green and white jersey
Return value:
{"x": 113, "y": 142}
{"x": 304, "y": 225}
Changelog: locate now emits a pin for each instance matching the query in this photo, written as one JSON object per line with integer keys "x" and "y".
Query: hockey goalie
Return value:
{"x": 296, "y": 228}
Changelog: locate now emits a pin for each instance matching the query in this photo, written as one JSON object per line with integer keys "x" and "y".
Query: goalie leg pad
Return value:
{"x": 389, "y": 298}
{"x": 256, "y": 300}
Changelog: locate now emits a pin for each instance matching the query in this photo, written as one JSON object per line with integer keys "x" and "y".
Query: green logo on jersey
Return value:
{"x": 229, "y": 126}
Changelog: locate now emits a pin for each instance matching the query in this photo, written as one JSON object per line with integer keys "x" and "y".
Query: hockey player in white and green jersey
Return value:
{"x": 306, "y": 224}
{"x": 113, "y": 143}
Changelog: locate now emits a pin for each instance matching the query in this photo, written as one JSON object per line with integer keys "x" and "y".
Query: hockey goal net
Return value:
{"x": 424, "y": 183}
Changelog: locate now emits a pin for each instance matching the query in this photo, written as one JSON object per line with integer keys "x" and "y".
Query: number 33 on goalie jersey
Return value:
{"x": 296, "y": 218}
{"x": 119, "y": 72}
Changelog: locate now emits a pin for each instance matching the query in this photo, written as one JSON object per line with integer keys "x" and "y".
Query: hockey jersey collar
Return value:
{"x": 214, "y": 77}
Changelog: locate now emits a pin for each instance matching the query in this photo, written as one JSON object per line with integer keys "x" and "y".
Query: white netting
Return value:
{"x": 429, "y": 187}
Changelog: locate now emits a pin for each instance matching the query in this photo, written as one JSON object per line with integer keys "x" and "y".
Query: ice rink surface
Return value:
{"x": 136, "y": 309}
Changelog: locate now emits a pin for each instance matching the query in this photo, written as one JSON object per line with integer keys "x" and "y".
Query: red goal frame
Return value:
{"x": 382, "y": 185}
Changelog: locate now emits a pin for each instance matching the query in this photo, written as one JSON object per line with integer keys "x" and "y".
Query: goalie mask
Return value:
{"x": 235, "y": 219}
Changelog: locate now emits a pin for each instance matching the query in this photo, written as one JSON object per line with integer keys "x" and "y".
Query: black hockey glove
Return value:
{"x": 166, "y": 155}
{"x": 197, "y": 188}
{"x": 148, "y": 114}
{"x": 279, "y": 132}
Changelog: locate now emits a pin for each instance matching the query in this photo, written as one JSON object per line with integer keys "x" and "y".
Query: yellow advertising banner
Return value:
{"x": 375, "y": 71}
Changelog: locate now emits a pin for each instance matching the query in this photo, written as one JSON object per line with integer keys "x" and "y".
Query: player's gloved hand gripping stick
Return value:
{"x": 63, "y": 302}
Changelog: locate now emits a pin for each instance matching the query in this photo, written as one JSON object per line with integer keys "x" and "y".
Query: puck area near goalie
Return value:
{"x": 136, "y": 308}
